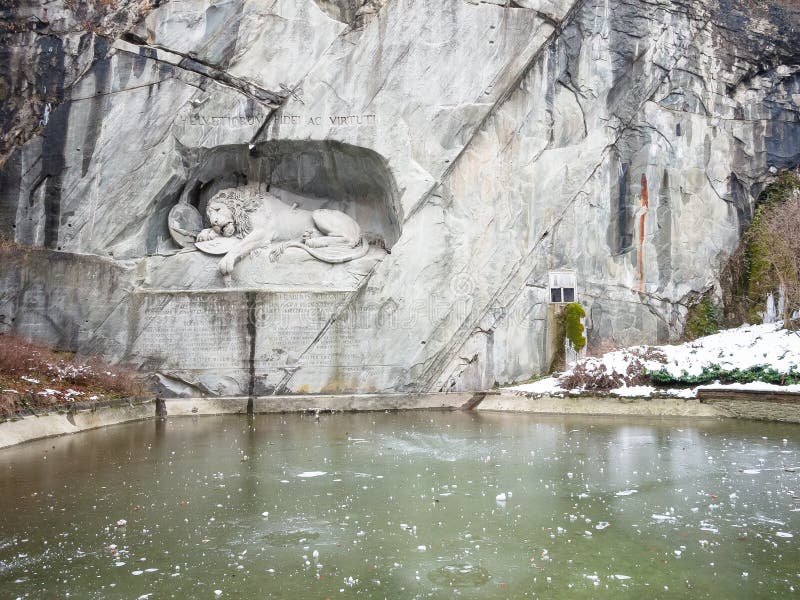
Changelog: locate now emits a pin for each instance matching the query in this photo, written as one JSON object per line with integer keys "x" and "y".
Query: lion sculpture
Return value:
{"x": 328, "y": 235}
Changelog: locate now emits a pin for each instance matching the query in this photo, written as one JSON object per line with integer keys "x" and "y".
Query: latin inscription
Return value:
{"x": 227, "y": 121}
{"x": 328, "y": 120}
{"x": 242, "y": 121}
{"x": 209, "y": 331}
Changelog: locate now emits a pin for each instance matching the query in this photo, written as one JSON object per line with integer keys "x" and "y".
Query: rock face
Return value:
{"x": 479, "y": 145}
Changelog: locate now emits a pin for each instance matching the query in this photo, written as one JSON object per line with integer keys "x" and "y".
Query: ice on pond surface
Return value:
{"x": 460, "y": 576}
{"x": 600, "y": 507}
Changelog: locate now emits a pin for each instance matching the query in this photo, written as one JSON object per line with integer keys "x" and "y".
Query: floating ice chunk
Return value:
{"x": 501, "y": 497}
{"x": 621, "y": 577}
{"x": 265, "y": 513}
{"x": 422, "y": 548}
{"x": 709, "y": 529}
{"x": 122, "y": 523}
{"x": 626, "y": 493}
{"x": 664, "y": 518}
{"x": 773, "y": 521}
{"x": 307, "y": 474}
{"x": 751, "y": 471}
{"x": 784, "y": 534}
{"x": 218, "y": 593}
{"x": 602, "y": 525}
{"x": 137, "y": 572}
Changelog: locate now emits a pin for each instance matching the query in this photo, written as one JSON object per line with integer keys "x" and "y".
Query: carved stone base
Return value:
{"x": 241, "y": 342}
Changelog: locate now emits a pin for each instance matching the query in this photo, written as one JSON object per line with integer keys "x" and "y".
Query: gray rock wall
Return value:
{"x": 483, "y": 144}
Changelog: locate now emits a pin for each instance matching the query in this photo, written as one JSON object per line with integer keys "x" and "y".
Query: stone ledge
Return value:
{"x": 594, "y": 405}
{"x": 726, "y": 395}
{"x": 321, "y": 403}
{"x": 35, "y": 427}
{"x": 42, "y": 426}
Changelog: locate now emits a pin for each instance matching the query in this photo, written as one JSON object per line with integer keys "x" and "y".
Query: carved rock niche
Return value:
{"x": 293, "y": 179}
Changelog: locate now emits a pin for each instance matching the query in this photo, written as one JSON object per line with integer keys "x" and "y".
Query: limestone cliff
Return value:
{"x": 485, "y": 144}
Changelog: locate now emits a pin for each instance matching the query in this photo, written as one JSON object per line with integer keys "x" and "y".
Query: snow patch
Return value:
{"x": 741, "y": 348}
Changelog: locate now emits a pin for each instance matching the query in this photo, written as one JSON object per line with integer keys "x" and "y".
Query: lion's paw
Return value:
{"x": 276, "y": 252}
{"x": 206, "y": 234}
{"x": 226, "y": 264}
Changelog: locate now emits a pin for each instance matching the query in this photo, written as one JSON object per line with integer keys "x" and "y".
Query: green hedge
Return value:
{"x": 712, "y": 373}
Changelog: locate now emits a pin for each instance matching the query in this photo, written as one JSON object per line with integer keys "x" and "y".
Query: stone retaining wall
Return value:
{"x": 40, "y": 426}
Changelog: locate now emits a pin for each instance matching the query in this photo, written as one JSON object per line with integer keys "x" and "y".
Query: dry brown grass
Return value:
{"x": 34, "y": 377}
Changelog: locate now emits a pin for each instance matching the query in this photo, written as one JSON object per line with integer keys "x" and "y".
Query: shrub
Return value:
{"x": 712, "y": 373}
{"x": 574, "y": 333}
{"x": 594, "y": 376}
{"x": 591, "y": 378}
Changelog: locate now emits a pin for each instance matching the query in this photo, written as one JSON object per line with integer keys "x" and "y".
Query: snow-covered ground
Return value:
{"x": 741, "y": 348}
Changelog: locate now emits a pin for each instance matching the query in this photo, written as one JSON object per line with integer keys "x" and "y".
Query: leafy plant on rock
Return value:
{"x": 575, "y": 329}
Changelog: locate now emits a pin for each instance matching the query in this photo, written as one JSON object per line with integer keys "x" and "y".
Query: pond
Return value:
{"x": 404, "y": 505}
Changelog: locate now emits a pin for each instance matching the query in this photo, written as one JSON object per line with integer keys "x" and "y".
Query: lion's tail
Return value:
{"x": 333, "y": 254}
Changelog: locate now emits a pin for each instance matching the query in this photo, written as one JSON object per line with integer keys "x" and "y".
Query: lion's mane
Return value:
{"x": 240, "y": 208}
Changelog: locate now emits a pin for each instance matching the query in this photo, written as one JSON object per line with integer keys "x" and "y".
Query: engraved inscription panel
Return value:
{"x": 299, "y": 346}
{"x": 192, "y": 331}
{"x": 287, "y": 323}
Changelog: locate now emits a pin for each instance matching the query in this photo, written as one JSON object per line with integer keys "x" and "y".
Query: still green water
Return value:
{"x": 405, "y": 505}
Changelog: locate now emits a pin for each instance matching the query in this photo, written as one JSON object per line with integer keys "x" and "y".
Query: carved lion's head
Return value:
{"x": 229, "y": 213}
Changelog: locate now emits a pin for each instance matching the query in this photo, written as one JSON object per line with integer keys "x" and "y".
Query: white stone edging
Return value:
{"x": 36, "y": 427}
